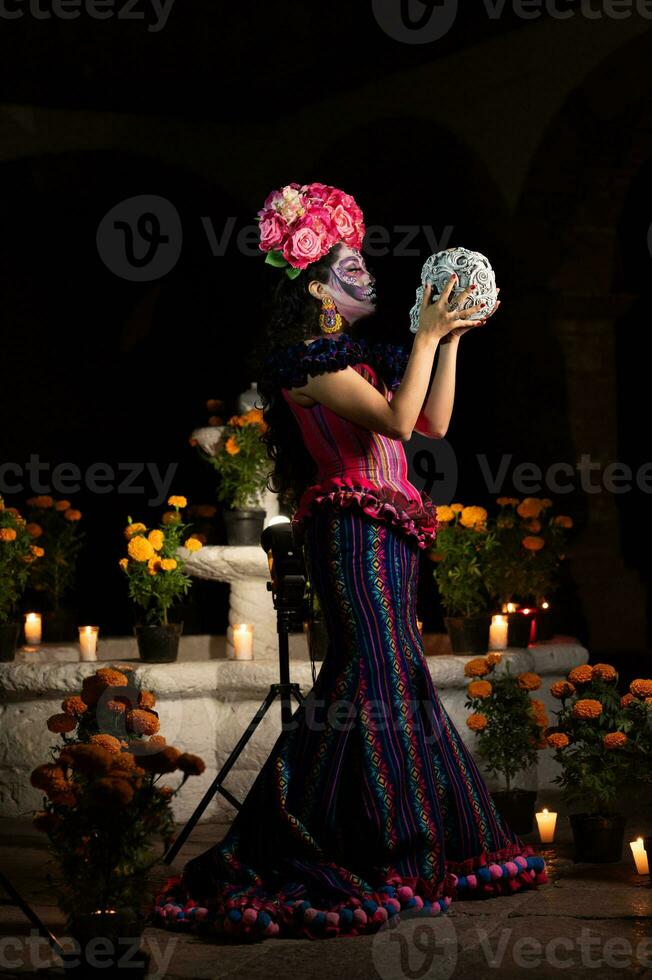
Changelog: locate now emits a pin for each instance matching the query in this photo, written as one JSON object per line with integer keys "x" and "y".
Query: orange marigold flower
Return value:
{"x": 92, "y": 760}
{"x": 214, "y": 404}
{"x": 166, "y": 792}
{"x": 34, "y": 530}
{"x": 142, "y": 722}
{"x": 445, "y": 514}
{"x": 62, "y": 505}
{"x": 614, "y": 740}
{"x": 124, "y": 564}
{"x": 61, "y": 723}
{"x": 162, "y": 761}
{"x": 532, "y": 542}
{"x": 198, "y": 536}
{"x": 641, "y": 688}
{"x": 168, "y": 564}
{"x": 153, "y": 565}
{"x": 232, "y": 446}
{"x": 605, "y": 672}
{"x": 479, "y": 689}
{"x": 48, "y": 776}
{"x": 175, "y": 501}
{"x": 171, "y": 517}
{"x": 477, "y": 722}
{"x": 43, "y": 501}
{"x": 7, "y": 534}
{"x": 534, "y": 526}
{"x": 587, "y": 708}
{"x": 626, "y": 700}
{"x": 36, "y": 551}
{"x": 581, "y": 675}
{"x": 477, "y": 667}
{"x": 113, "y": 791}
{"x": 146, "y": 699}
{"x": 530, "y": 507}
{"x": 529, "y": 681}
{"x": 156, "y": 740}
{"x": 72, "y": 515}
{"x": 108, "y": 742}
{"x": 472, "y": 516}
{"x": 557, "y": 740}
{"x": 563, "y": 521}
{"x": 562, "y": 689}
{"x": 507, "y": 501}
{"x": 192, "y": 544}
{"x": 493, "y": 658}
{"x": 139, "y": 548}
{"x": 135, "y": 528}
{"x": 190, "y": 765}
{"x": 124, "y": 762}
{"x": 94, "y": 686}
{"x": 156, "y": 539}
{"x": 74, "y": 706}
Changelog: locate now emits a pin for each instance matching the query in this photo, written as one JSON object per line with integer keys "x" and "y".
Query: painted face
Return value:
{"x": 351, "y": 285}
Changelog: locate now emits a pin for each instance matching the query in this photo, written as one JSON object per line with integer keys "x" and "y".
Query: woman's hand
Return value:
{"x": 437, "y": 320}
{"x": 458, "y": 331}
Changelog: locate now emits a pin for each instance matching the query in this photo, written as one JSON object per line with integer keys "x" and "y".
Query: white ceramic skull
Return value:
{"x": 471, "y": 267}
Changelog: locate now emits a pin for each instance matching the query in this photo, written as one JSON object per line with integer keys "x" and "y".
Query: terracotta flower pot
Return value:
{"x": 516, "y": 806}
{"x": 598, "y": 838}
{"x": 244, "y": 527}
{"x": 158, "y": 644}
{"x": 469, "y": 634}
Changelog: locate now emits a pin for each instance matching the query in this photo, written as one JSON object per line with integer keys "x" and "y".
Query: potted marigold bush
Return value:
{"x": 17, "y": 553}
{"x": 55, "y": 524}
{"x": 464, "y": 548}
{"x": 104, "y": 808}
{"x": 510, "y": 725}
{"x": 156, "y": 577}
{"x": 243, "y": 467}
{"x": 532, "y": 544}
{"x": 599, "y": 741}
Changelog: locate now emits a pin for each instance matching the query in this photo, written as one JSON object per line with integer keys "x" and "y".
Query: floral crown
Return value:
{"x": 300, "y": 223}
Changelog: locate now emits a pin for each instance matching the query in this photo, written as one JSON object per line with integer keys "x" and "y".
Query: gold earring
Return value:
{"x": 330, "y": 321}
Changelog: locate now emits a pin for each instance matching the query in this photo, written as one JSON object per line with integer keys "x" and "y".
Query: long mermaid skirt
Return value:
{"x": 369, "y": 803}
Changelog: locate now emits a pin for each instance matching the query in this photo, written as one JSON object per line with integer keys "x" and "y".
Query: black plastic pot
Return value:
{"x": 8, "y": 640}
{"x": 598, "y": 838}
{"x": 518, "y": 629}
{"x": 516, "y": 806}
{"x": 108, "y": 945}
{"x": 244, "y": 527}
{"x": 468, "y": 634}
{"x": 544, "y": 626}
{"x": 158, "y": 644}
{"x": 318, "y": 639}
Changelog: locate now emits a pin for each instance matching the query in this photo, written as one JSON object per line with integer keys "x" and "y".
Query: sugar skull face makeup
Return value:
{"x": 351, "y": 285}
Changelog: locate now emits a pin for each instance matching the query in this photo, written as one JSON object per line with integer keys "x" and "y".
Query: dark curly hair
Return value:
{"x": 293, "y": 316}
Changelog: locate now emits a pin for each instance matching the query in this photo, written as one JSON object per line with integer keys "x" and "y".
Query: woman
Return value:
{"x": 370, "y": 803}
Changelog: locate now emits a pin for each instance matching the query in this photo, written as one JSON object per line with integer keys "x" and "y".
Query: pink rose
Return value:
{"x": 304, "y": 245}
{"x": 273, "y": 230}
{"x": 344, "y": 223}
{"x": 317, "y": 192}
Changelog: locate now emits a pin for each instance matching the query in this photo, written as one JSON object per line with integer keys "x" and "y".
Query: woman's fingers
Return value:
{"x": 446, "y": 294}
{"x": 425, "y": 300}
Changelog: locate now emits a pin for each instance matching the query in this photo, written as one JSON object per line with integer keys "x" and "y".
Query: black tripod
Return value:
{"x": 16, "y": 900}
{"x": 288, "y": 588}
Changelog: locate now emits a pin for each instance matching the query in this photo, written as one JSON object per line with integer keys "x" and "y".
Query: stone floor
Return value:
{"x": 589, "y": 921}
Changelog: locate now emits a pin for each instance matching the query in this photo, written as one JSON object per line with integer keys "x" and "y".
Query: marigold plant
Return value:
{"x": 241, "y": 460}
{"x": 18, "y": 554}
{"x": 508, "y": 722}
{"x": 103, "y": 808}
{"x": 531, "y": 544}
{"x": 600, "y": 738}
{"x": 55, "y": 524}
{"x": 465, "y": 549}
{"x": 153, "y": 565}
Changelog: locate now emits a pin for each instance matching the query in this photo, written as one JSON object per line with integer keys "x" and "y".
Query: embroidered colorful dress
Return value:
{"x": 370, "y": 803}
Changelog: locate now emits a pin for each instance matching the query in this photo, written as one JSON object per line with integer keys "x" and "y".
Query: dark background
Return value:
{"x": 530, "y": 138}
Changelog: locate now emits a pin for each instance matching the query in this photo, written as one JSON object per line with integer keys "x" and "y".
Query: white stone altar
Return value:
{"x": 206, "y": 701}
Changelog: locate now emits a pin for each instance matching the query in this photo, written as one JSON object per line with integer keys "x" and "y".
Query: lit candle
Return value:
{"x": 640, "y": 856}
{"x": 243, "y": 642}
{"x": 546, "y": 824}
{"x": 545, "y": 605}
{"x": 509, "y": 607}
{"x": 88, "y": 642}
{"x": 498, "y": 633}
{"x": 420, "y": 626}
{"x": 33, "y": 629}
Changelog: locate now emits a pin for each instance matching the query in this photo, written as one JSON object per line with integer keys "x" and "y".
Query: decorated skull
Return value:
{"x": 471, "y": 268}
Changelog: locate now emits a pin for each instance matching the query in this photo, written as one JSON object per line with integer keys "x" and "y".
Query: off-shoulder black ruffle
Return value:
{"x": 289, "y": 367}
